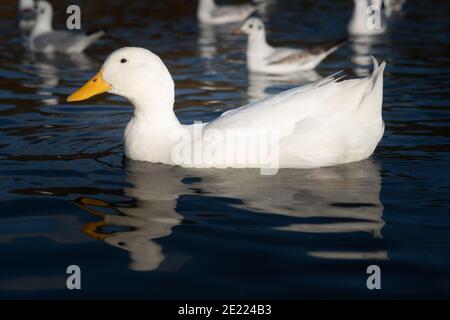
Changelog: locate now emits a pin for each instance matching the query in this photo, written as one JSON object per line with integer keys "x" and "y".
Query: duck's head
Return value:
{"x": 134, "y": 73}
{"x": 252, "y": 27}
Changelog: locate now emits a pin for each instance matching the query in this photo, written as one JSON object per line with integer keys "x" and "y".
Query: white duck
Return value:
{"x": 367, "y": 18}
{"x": 323, "y": 124}
{"x": 210, "y": 13}
{"x": 263, "y": 58}
{"x": 27, "y": 16}
{"x": 44, "y": 39}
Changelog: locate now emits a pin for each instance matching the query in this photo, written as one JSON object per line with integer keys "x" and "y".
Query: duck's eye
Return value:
{"x": 123, "y": 60}
{"x": 259, "y": 28}
{"x": 251, "y": 26}
{"x": 42, "y": 11}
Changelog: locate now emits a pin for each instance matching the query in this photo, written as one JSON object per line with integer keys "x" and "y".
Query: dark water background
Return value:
{"x": 67, "y": 195}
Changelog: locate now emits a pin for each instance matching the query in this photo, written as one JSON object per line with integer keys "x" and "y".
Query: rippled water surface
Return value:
{"x": 139, "y": 230}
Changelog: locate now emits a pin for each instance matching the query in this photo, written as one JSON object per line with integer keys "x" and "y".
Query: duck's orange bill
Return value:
{"x": 92, "y": 88}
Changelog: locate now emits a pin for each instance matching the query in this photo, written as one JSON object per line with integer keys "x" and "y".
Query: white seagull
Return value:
{"x": 367, "y": 19}
{"x": 44, "y": 39}
{"x": 210, "y": 13}
{"x": 263, "y": 58}
{"x": 326, "y": 123}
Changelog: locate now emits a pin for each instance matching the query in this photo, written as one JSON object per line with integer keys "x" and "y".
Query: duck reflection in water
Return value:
{"x": 348, "y": 192}
{"x": 47, "y": 69}
{"x": 155, "y": 189}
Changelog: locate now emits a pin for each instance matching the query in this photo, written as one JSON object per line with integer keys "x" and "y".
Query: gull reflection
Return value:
{"x": 362, "y": 48}
{"x": 349, "y": 192}
{"x": 47, "y": 68}
{"x": 48, "y": 75}
{"x": 207, "y": 41}
{"x": 259, "y": 84}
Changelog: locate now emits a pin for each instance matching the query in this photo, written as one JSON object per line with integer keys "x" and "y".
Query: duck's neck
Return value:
{"x": 257, "y": 45}
{"x": 156, "y": 111}
{"x": 150, "y": 133}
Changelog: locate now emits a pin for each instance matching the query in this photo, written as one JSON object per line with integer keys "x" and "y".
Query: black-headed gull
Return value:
{"x": 263, "y": 58}
{"x": 44, "y": 39}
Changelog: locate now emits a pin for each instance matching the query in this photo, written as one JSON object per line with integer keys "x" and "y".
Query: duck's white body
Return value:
{"x": 323, "y": 124}
{"x": 210, "y": 13}
{"x": 364, "y": 20}
{"x": 44, "y": 39}
{"x": 263, "y": 58}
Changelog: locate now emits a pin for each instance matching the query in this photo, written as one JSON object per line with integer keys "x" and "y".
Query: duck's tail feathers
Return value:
{"x": 335, "y": 77}
{"x": 372, "y": 95}
{"x": 377, "y": 68}
{"x": 378, "y": 72}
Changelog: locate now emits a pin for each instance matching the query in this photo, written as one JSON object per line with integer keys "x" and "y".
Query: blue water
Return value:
{"x": 138, "y": 230}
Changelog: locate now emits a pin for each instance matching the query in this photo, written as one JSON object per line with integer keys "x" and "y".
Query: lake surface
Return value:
{"x": 139, "y": 230}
